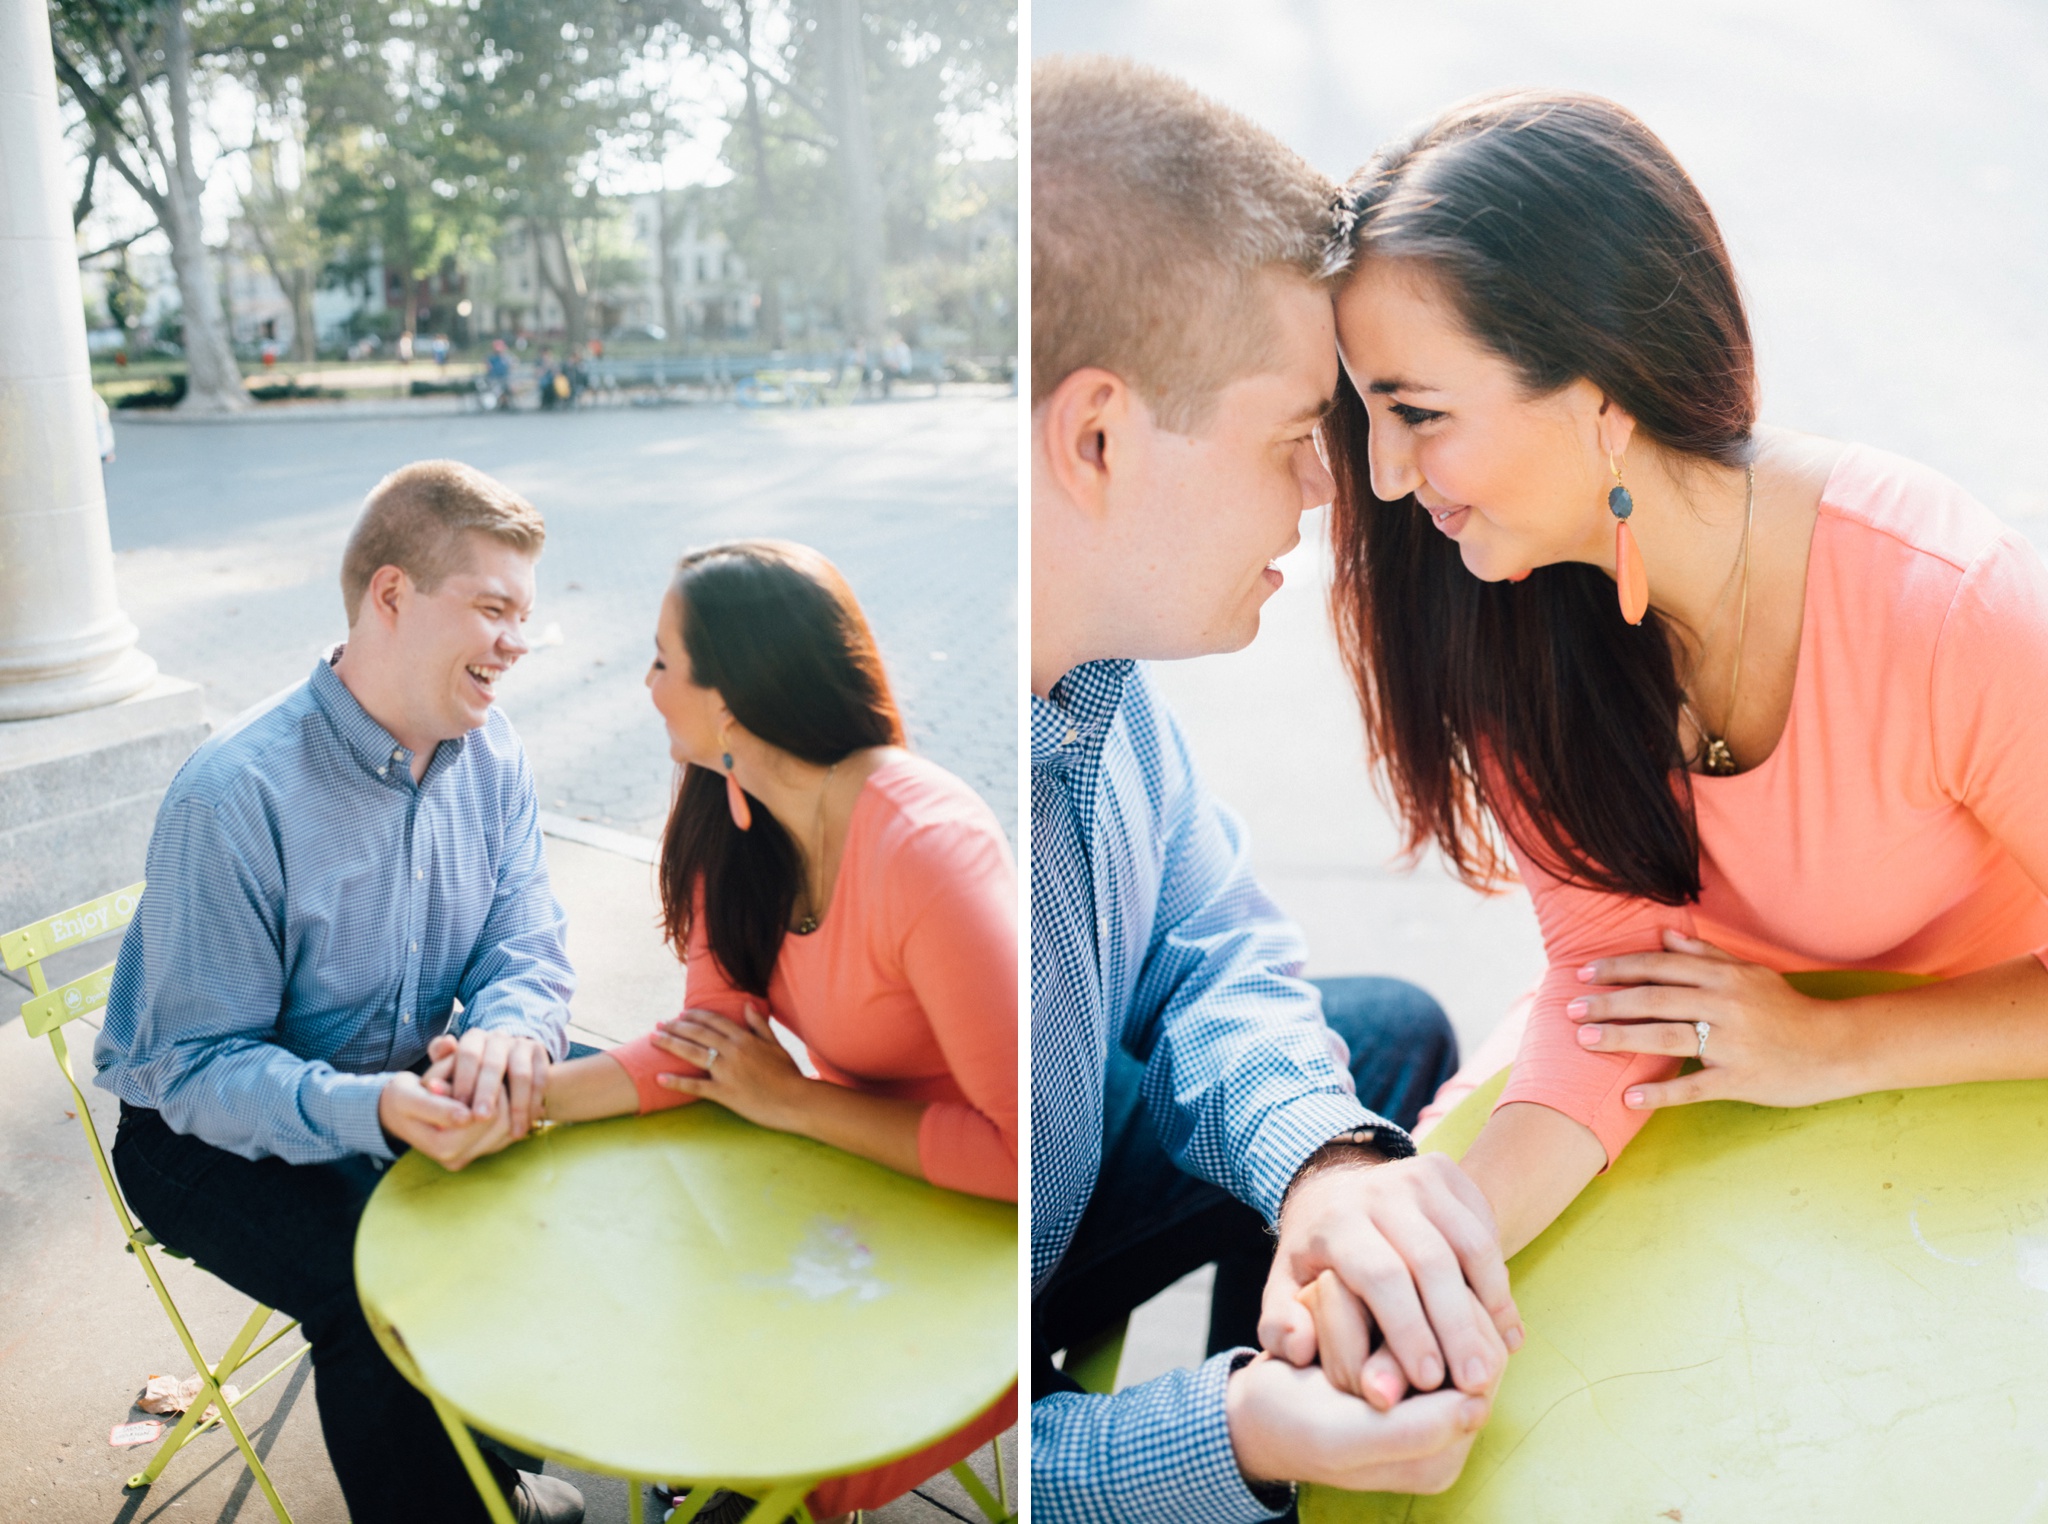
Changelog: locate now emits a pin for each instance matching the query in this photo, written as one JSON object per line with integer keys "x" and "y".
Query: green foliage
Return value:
{"x": 931, "y": 66}
{"x": 412, "y": 133}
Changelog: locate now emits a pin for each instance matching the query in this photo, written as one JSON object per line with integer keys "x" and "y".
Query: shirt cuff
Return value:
{"x": 352, "y": 1114}
{"x": 1213, "y": 1466}
{"x": 1292, "y": 1132}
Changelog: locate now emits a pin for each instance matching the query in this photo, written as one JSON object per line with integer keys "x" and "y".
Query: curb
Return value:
{"x": 604, "y": 838}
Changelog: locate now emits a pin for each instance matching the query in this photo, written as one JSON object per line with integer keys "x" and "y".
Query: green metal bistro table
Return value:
{"x": 1834, "y": 1313}
{"x": 686, "y": 1297}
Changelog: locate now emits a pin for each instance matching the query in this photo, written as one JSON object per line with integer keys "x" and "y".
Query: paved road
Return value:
{"x": 1880, "y": 170}
{"x": 228, "y": 540}
{"x": 228, "y": 544}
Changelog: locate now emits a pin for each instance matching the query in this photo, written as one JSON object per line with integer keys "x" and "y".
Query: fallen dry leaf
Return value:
{"x": 167, "y": 1394}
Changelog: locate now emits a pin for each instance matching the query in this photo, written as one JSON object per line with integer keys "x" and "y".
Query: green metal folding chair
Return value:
{"x": 45, "y": 1015}
{"x": 1092, "y": 1362}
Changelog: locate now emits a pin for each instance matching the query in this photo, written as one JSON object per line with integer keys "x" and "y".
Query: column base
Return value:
{"x": 79, "y": 795}
{"x": 122, "y": 677}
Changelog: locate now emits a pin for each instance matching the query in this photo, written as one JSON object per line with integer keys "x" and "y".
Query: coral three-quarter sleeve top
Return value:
{"x": 908, "y": 988}
{"x": 1901, "y": 823}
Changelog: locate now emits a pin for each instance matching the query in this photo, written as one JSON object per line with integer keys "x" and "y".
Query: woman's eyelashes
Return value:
{"x": 1411, "y": 415}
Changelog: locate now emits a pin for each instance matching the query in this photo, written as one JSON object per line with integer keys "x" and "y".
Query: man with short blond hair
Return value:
{"x": 1157, "y": 219}
{"x": 1186, "y": 1084}
{"x": 417, "y": 517}
{"x": 329, "y": 878}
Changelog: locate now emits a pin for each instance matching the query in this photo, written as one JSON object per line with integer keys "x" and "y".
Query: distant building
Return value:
{"x": 708, "y": 294}
{"x": 691, "y": 284}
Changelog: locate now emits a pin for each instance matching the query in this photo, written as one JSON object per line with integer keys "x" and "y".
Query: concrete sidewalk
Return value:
{"x": 80, "y": 1329}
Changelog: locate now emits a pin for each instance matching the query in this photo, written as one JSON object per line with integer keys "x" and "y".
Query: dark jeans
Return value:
{"x": 285, "y": 1235}
{"x": 1148, "y": 1223}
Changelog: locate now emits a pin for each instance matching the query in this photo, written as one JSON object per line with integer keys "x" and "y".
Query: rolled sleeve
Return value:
{"x": 1158, "y": 1453}
{"x": 1580, "y": 924}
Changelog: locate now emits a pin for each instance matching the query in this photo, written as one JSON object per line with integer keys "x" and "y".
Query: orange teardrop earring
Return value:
{"x": 1631, "y": 582}
{"x": 736, "y": 798}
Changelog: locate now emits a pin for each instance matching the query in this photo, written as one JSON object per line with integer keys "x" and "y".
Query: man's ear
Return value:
{"x": 1085, "y": 429}
{"x": 389, "y": 591}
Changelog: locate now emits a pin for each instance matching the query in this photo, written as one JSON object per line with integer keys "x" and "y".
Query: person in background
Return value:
{"x": 498, "y": 375}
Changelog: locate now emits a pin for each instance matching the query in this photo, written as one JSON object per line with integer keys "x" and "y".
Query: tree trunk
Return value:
{"x": 847, "y": 76}
{"x": 768, "y": 325}
{"x": 305, "y": 339}
{"x": 569, "y": 289}
{"x": 213, "y": 381}
{"x": 665, "y": 235}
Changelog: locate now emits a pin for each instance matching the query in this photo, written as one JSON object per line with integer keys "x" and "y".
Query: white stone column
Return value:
{"x": 90, "y": 734}
{"x": 65, "y": 645}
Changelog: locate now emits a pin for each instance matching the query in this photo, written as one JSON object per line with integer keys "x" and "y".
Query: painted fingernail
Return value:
{"x": 1634, "y": 1098}
{"x": 1429, "y": 1376}
{"x": 1475, "y": 1372}
{"x": 1589, "y": 1037}
{"x": 1578, "y": 1007}
{"x": 1516, "y": 1338}
{"x": 1586, "y": 974}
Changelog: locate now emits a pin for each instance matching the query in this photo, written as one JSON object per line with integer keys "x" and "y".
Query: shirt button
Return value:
{"x": 415, "y": 947}
{"x": 419, "y": 873}
{"x": 398, "y": 756}
{"x": 1070, "y": 737}
{"x": 383, "y": 772}
{"x": 407, "y": 1017}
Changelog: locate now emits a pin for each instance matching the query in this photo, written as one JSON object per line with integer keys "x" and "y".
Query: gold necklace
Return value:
{"x": 808, "y": 923}
{"x": 1717, "y": 758}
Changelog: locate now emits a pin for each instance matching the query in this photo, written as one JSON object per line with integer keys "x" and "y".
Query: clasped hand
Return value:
{"x": 1766, "y": 1043}
{"x": 480, "y": 1092}
{"x": 1416, "y": 1265}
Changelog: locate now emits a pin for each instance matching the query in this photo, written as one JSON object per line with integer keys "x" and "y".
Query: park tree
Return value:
{"x": 837, "y": 140}
{"x": 317, "y": 74}
{"x": 285, "y": 227}
{"x": 128, "y": 65}
{"x": 520, "y": 97}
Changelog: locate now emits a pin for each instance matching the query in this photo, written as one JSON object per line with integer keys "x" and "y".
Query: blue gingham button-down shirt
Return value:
{"x": 1148, "y": 929}
{"x": 312, "y": 917}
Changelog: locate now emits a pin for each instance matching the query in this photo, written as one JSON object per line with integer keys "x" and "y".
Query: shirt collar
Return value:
{"x": 1075, "y": 716}
{"x": 375, "y": 747}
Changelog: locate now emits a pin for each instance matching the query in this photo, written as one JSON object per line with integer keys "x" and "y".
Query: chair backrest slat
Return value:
{"x": 67, "y": 1002}
{"x": 69, "y": 928}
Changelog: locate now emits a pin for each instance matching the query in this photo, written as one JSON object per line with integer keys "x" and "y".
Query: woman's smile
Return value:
{"x": 1449, "y": 518}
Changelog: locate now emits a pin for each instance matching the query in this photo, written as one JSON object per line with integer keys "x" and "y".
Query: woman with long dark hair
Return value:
{"x": 816, "y": 871}
{"x": 1731, "y": 701}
